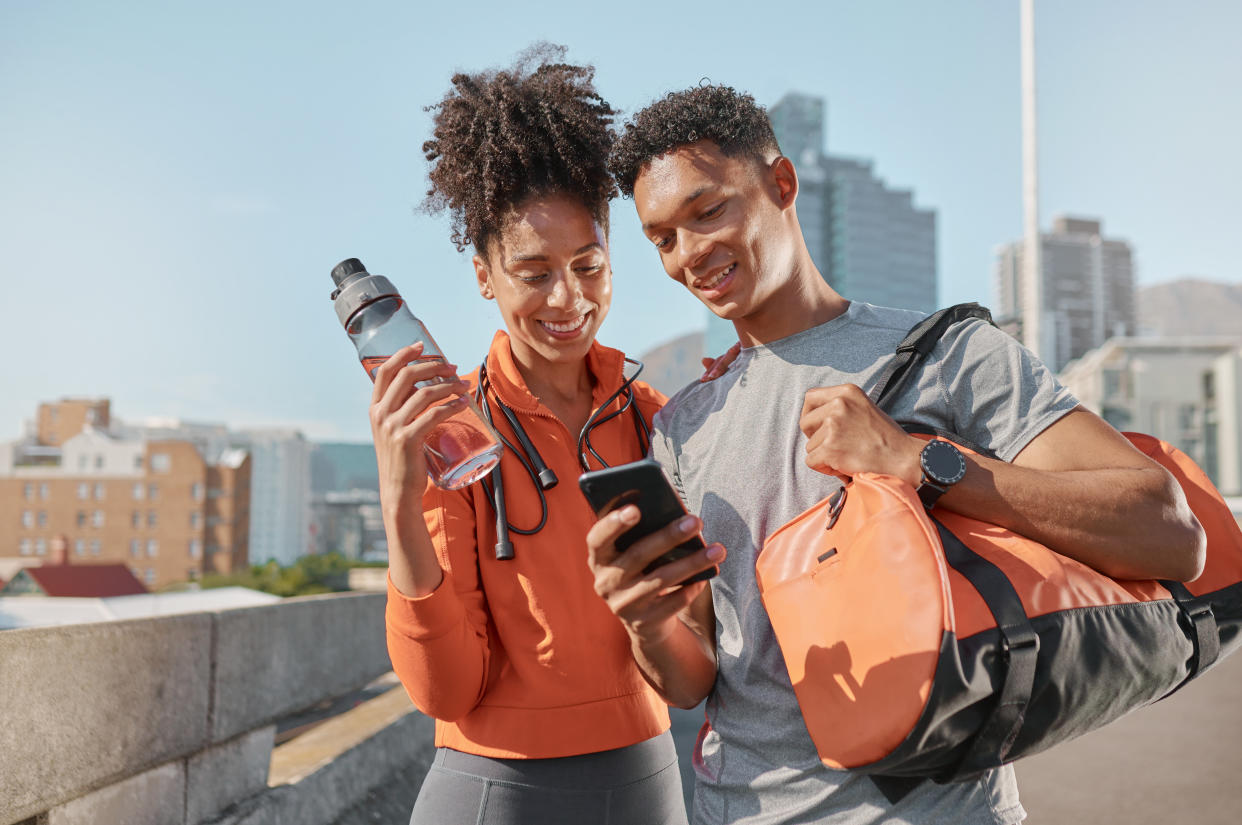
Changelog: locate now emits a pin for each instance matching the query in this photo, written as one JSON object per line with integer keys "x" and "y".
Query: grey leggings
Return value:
{"x": 636, "y": 785}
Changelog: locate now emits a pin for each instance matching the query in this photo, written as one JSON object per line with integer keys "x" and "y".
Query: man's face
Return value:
{"x": 720, "y": 226}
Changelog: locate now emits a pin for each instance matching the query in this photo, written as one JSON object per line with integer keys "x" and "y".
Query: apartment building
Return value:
{"x": 161, "y": 506}
{"x": 1187, "y": 391}
{"x": 1088, "y": 289}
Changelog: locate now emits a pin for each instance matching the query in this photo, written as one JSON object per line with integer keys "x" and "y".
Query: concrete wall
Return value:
{"x": 176, "y": 708}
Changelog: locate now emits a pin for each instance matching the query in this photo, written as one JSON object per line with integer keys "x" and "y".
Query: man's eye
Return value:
{"x": 532, "y": 279}
{"x": 593, "y": 269}
{"x": 662, "y": 243}
{"x": 713, "y": 212}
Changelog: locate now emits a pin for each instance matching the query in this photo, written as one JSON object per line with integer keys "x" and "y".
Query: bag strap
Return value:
{"x": 1206, "y": 635}
{"x": 910, "y": 354}
{"x": 1019, "y": 646}
{"x": 914, "y": 348}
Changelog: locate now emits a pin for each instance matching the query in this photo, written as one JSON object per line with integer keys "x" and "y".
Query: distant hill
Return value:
{"x": 672, "y": 365}
{"x": 1190, "y": 306}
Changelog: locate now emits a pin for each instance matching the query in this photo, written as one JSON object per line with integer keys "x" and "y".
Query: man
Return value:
{"x": 757, "y": 446}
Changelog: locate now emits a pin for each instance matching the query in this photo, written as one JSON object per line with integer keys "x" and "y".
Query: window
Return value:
{"x": 149, "y": 576}
{"x": 99, "y": 462}
{"x": 84, "y": 491}
{"x": 151, "y": 518}
{"x": 160, "y": 462}
{"x": 44, "y": 493}
{"x": 28, "y": 491}
{"x": 140, "y": 491}
{"x": 135, "y": 519}
{"x": 196, "y": 519}
{"x": 137, "y": 462}
{"x": 26, "y": 547}
{"x": 196, "y": 491}
{"x": 81, "y": 518}
{"x": 135, "y": 548}
{"x": 97, "y": 518}
{"x": 196, "y": 548}
{"x": 153, "y": 492}
{"x": 99, "y": 491}
{"x": 79, "y": 547}
{"x": 43, "y": 518}
{"x": 95, "y": 547}
{"x": 28, "y": 518}
{"x": 40, "y": 547}
{"x": 153, "y": 548}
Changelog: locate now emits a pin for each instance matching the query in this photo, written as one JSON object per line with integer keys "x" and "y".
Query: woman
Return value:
{"x": 541, "y": 714}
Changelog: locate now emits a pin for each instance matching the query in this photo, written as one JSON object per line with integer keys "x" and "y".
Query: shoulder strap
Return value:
{"x": 919, "y": 341}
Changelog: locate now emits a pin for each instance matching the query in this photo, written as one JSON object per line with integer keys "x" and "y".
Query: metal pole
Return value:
{"x": 1032, "y": 251}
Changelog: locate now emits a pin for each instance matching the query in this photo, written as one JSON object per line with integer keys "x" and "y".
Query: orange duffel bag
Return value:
{"x": 926, "y": 646}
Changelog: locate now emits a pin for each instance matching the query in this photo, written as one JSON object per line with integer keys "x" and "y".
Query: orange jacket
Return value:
{"x": 522, "y": 658}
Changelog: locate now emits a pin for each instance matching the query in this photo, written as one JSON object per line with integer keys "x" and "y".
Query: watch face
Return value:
{"x": 943, "y": 463}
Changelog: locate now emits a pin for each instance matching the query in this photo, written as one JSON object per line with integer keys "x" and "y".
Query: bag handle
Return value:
{"x": 914, "y": 348}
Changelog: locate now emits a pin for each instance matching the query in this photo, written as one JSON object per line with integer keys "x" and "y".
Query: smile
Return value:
{"x": 565, "y": 329}
{"x": 718, "y": 279}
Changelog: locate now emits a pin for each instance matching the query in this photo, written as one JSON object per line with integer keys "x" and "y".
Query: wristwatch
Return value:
{"x": 943, "y": 466}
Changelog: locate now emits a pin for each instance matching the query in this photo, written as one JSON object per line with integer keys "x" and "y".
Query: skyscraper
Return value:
{"x": 1088, "y": 288}
{"x": 868, "y": 240}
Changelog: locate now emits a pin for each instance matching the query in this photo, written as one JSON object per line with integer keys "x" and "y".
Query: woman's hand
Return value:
{"x": 671, "y": 626}
{"x": 403, "y": 414}
{"x": 713, "y": 368}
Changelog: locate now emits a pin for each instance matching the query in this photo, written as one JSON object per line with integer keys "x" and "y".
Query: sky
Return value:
{"x": 177, "y": 179}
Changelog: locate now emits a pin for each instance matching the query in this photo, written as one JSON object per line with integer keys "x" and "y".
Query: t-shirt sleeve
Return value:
{"x": 438, "y": 643}
{"x": 999, "y": 395}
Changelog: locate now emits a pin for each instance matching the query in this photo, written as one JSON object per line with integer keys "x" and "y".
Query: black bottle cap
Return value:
{"x": 346, "y": 268}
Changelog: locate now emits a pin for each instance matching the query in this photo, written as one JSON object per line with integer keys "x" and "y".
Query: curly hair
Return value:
{"x": 502, "y": 137}
{"x": 729, "y": 118}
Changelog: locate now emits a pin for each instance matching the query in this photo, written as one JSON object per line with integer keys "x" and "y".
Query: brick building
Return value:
{"x": 160, "y": 506}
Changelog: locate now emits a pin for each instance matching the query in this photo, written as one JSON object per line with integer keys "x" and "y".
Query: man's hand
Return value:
{"x": 846, "y": 434}
{"x": 671, "y": 626}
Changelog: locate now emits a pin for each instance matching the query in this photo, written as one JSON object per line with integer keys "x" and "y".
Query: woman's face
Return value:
{"x": 548, "y": 271}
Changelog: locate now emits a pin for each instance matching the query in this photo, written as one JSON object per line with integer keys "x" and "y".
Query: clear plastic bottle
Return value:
{"x": 461, "y": 449}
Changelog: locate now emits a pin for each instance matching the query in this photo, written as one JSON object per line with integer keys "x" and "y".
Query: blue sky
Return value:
{"x": 177, "y": 179}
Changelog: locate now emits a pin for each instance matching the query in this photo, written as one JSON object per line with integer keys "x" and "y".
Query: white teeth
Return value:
{"x": 715, "y": 282}
{"x": 568, "y": 326}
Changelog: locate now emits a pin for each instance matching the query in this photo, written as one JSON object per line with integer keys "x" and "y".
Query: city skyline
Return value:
{"x": 181, "y": 181}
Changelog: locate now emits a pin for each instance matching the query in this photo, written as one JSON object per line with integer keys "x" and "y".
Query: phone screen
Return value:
{"x": 643, "y": 484}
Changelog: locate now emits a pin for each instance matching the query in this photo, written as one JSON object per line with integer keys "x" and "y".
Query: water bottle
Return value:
{"x": 461, "y": 449}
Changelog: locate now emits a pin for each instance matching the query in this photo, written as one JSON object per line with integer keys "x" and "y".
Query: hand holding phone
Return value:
{"x": 643, "y": 484}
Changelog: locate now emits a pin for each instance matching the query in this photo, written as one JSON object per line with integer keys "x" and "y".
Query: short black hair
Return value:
{"x": 503, "y": 137}
{"x": 729, "y": 118}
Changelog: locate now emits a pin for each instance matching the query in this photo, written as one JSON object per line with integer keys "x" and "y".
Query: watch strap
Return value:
{"x": 930, "y": 492}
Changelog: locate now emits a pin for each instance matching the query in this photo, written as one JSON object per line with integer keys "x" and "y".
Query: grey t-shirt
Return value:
{"x": 734, "y": 450}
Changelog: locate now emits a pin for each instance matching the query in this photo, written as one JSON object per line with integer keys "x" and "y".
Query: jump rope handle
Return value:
{"x": 504, "y": 547}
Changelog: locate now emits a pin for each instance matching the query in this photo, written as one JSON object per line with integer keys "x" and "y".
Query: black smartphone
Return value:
{"x": 643, "y": 484}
